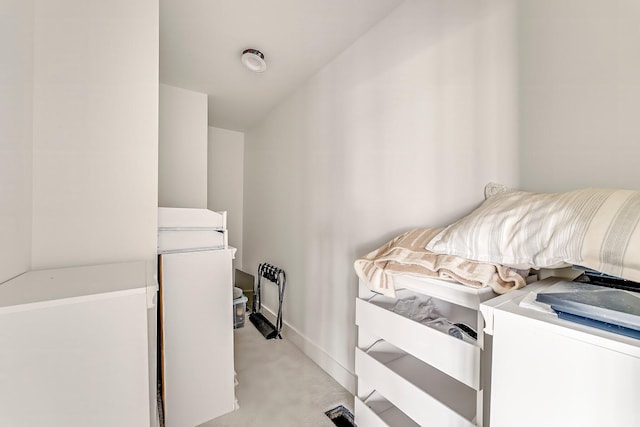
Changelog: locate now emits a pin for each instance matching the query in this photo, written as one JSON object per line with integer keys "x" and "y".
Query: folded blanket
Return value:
{"x": 406, "y": 255}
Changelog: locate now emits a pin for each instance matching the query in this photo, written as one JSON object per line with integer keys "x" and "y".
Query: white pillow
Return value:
{"x": 595, "y": 228}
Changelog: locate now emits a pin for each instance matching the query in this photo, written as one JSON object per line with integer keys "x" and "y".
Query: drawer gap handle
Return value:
{"x": 368, "y": 396}
{"x": 371, "y": 346}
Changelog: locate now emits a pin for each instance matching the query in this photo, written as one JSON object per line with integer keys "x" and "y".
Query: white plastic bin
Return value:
{"x": 239, "y": 308}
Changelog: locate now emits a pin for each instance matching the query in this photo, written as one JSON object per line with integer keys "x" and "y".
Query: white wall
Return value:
{"x": 401, "y": 130}
{"x": 16, "y": 93}
{"x": 95, "y": 131}
{"x": 182, "y": 175}
{"x": 580, "y": 94}
{"x": 226, "y": 182}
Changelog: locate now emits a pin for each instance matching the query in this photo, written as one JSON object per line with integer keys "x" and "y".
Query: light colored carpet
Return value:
{"x": 279, "y": 386}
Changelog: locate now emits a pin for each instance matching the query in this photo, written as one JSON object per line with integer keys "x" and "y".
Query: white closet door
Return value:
{"x": 198, "y": 336}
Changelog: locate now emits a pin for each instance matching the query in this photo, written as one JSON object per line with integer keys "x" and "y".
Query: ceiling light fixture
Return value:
{"x": 253, "y": 59}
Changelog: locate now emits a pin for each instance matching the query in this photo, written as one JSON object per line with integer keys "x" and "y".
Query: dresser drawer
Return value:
{"x": 425, "y": 394}
{"x": 455, "y": 357}
{"x": 376, "y": 411}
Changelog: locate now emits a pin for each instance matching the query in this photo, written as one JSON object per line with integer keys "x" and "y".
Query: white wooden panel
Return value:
{"x": 77, "y": 361}
{"x": 457, "y": 358}
{"x": 198, "y": 336}
{"x": 425, "y": 394}
{"x": 180, "y": 218}
{"x": 376, "y": 411}
{"x": 191, "y": 239}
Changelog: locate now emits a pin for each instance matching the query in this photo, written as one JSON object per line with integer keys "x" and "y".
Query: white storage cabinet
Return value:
{"x": 410, "y": 374}
{"x": 74, "y": 347}
{"x": 552, "y": 372}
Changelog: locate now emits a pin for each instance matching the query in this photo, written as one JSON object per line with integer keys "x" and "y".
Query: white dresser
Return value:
{"x": 74, "y": 347}
{"x": 196, "y": 315}
{"x": 410, "y": 374}
{"x": 552, "y": 372}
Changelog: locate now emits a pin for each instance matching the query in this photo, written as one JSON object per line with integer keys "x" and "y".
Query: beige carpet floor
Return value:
{"x": 279, "y": 386}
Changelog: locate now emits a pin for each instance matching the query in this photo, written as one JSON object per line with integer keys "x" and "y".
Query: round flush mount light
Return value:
{"x": 253, "y": 59}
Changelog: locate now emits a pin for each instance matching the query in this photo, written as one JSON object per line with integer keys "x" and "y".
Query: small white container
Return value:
{"x": 239, "y": 308}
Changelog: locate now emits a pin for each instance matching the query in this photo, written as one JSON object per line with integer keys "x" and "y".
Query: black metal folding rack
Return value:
{"x": 277, "y": 276}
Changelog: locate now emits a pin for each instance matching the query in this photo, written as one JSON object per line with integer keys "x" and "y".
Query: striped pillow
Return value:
{"x": 594, "y": 228}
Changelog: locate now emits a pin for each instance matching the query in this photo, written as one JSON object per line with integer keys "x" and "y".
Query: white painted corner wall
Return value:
{"x": 78, "y": 134}
{"x": 226, "y": 182}
{"x": 16, "y": 139}
{"x": 95, "y": 132}
{"x": 182, "y": 174}
{"x": 401, "y": 130}
{"x": 199, "y": 166}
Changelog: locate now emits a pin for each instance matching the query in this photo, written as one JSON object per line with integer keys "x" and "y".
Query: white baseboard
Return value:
{"x": 320, "y": 357}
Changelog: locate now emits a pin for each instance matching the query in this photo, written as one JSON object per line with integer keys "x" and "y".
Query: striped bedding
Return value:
{"x": 594, "y": 228}
{"x": 406, "y": 254}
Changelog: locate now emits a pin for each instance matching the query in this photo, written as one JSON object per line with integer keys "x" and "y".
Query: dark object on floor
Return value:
{"x": 262, "y": 324}
{"x": 160, "y": 404}
{"x": 340, "y": 416}
{"x": 246, "y": 282}
{"x": 277, "y": 276}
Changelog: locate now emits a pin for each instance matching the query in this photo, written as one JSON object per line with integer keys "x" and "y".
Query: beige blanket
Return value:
{"x": 406, "y": 255}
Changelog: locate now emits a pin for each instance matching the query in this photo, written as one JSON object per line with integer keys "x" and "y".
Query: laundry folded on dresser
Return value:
{"x": 406, "y": 254}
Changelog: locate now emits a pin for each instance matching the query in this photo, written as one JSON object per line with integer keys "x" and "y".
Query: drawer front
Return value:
{"x": 456, "y": 358}
{"x": 409, "y": 398}
{"x": 366, "y": 417}
{"x": 392, "y": 417}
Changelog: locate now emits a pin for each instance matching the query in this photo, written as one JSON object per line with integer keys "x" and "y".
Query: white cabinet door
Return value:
{"x": 197, "y": 304}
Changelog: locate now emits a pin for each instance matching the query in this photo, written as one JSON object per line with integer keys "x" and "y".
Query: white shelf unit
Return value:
{"x": 410, "y": 374}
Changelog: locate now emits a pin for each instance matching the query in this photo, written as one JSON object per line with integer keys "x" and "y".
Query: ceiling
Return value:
{"x": 201, "y": 42}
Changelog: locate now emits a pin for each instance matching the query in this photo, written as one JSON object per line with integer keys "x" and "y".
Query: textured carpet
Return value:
{"x": 279, "y": 386}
